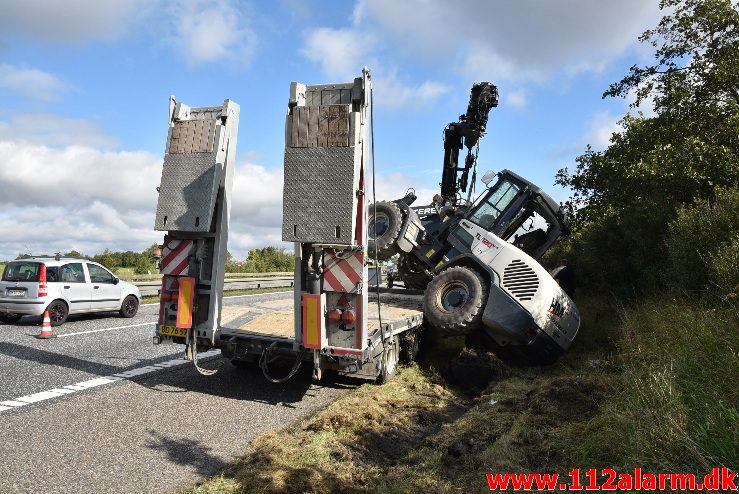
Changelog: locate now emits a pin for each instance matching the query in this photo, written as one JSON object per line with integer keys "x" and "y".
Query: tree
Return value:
{"x": 654, "y": 165}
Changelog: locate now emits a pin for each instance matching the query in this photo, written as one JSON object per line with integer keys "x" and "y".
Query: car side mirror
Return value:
{"x": 116, "y": 280}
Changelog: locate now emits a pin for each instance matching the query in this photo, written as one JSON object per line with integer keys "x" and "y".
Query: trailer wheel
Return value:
{"x": 383, "y": 227}
{"x": 455, "y": 300}
{"x": 410, "y": 346}
{"x": 390, "y": 361}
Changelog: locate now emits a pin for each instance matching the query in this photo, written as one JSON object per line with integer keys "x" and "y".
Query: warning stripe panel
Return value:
{"x": 342, "y": 272}
{"x": 176, "y": 257}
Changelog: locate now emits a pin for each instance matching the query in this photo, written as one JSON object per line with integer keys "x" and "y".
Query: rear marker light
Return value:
{"x": 334, "y": 315}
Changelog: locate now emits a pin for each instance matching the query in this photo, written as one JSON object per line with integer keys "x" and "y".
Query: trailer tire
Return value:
{"x": 383, "y": 227}
{"x": 389, "y": 365}
{"x": 410, "y": 346}
{"x": 455, "y": 300}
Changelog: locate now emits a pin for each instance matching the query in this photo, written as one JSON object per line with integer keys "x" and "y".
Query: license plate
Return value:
{"x": 172, "y": 331}
{"x": 15, "y": 293}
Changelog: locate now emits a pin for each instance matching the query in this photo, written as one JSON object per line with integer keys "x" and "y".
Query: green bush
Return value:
{"x": 725, "y": 267}
{"x": 703, "y": 242}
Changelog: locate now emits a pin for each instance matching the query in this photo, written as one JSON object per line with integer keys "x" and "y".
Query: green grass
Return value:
{"x": 151, "y": 299}
{"x": 651, "y": 386}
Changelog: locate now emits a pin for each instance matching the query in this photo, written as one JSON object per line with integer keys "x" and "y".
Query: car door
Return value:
{"x": 74, "y": 286}
{"x": 106, "y": 292}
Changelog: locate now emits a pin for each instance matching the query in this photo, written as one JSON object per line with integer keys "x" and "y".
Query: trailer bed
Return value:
{"x": 275, "y": 318}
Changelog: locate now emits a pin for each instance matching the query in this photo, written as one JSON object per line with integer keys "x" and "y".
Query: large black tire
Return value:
{"x": 58, "y": 312}
{"x": 412, "y": 275}
{"x": 129, "y": 307}
{"x": 9, "y": 318}
{"x": 455, "y": 300}
{"x": 383, "y": 227}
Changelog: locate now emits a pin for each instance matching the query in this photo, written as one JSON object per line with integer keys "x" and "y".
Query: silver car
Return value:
{"x": 63, "y": 286}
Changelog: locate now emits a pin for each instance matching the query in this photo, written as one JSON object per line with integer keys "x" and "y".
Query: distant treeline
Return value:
{"x": 262, "y": 260}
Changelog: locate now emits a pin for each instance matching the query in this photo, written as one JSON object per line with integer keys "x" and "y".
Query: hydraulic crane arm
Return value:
{"x": 467, "y": 131}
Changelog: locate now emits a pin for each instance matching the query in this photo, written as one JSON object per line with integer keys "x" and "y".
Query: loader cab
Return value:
{"x": 519, "y": 212}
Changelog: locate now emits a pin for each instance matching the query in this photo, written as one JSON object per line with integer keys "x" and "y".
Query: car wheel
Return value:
{"x": 129, "y": 307}
{"x": 9, "y": 318}
{"x": 58, "y": 312}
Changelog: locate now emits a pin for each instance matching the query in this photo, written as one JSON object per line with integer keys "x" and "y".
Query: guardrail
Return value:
{"x": 153, "y": 287}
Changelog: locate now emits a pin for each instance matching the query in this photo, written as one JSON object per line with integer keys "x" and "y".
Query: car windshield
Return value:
{"x": 21, "y": 271}
{"x": 487, "y": 212}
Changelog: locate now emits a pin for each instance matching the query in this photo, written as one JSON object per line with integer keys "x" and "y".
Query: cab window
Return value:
{"x": 73, "y": 273}
{"x": 99, "y": 274}
{"x": 489, "y": 210}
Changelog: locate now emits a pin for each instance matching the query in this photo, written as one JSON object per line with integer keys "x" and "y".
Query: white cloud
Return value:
{"x": 601, "y": 127}
{"x": 341, "y": 53}
{"x": 68, "y": 20}
{"x": 517, "y": 98}
{"x": 53, "y": 130}
{"x": 518, "y": 41}
{"x": 395, "y": 94}
{"x": 31, "y": 82}
{"x": 210, "y": 30}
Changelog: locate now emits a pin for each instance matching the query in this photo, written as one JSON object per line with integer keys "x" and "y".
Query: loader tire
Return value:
{"x": 455, "y": 300}
{"x": 383, "y": 227}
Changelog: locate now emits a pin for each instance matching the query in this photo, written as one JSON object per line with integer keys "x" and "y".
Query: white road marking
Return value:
{"x": 99, "y": 381}
{"x": 106, "y": 329}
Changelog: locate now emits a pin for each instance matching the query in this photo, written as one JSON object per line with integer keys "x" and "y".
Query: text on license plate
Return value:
{"x": 16, "y": 293}
{"x": 172, "y": 331}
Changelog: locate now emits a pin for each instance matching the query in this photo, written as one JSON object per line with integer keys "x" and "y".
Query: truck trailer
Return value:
{"x": 332, "y": 321}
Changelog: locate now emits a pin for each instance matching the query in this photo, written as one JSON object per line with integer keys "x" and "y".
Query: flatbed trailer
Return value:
{"x": 247, "y": 332}
{"x": 333, "y": 321}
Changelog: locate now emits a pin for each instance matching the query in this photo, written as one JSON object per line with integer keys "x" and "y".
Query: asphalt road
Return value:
{"x": 101, "y": 409}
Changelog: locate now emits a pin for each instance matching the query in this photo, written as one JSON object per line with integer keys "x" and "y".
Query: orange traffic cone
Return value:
{"x": 46, "y": 331}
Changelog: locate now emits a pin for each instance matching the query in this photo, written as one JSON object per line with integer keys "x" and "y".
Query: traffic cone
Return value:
{"x": 46, "y": 331}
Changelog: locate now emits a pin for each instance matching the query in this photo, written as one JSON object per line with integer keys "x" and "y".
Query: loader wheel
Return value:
{"x": 383, "y": 228}
{"x": 455, "y": 300}
{"x": 412, "y": 275}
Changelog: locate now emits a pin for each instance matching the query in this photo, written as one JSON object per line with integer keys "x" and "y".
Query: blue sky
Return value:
{"x": 84, "y": 87}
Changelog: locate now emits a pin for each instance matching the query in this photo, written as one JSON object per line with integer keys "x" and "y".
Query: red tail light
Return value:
{"x": 43, "y": 288}
{"x": 348, "y": 316}
{"x": 334, "y": 315}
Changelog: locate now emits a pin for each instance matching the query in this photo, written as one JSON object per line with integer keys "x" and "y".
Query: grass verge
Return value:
{"x": 652, "y": 386}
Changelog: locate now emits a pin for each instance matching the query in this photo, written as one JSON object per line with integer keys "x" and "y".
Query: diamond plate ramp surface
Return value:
{"x": 188, "y": 191}
{"x": 319, "y": 195}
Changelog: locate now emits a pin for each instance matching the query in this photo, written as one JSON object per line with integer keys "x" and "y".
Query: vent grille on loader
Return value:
{"x": 520, "y": 280}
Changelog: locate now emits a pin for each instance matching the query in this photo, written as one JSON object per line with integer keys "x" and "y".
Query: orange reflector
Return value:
{"x": 184, "y": 302}
{"x": 312, "y": 314}
{"x": 348, "y": 316}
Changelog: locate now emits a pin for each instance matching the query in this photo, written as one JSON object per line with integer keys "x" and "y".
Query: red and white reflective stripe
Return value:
{"x": 175, "y": 259}
{"x": 342, "y": 272}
